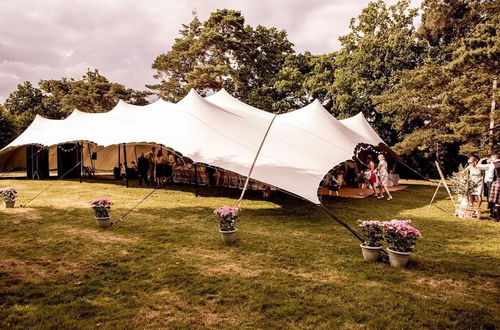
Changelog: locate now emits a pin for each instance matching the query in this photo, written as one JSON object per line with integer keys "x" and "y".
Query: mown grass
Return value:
{"x": 165, "y": 265}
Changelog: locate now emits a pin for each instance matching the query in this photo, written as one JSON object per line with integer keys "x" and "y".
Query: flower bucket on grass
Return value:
{"x": 101, "y": 207}
{"x": 227, "y": 216}
{"x": 374, "y": 235}
{"x": 9, "y": 196}
{"x": 403, "y": 238}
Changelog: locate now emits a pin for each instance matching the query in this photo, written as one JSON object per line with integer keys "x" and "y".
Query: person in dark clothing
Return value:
{"x": 210, "y": 175}
{"x": 494, "y": 193}
{"x": 143, "y": 167}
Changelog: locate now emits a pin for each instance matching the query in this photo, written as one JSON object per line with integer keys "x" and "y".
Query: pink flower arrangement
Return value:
{"x": 372, "y": 232}
{"x": 402, "y": 227}
{"x": 227, "y": 217}
{"x": 100, "y": 201}
{"x": 227, "y": 211}
{"x": 101, "y": 207}
{"x": 370, "y": 223}
{"x": 401, "y": 235}
{"x": 8, "y": 194}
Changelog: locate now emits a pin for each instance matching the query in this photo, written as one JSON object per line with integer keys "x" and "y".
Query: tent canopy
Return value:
{"x": 300, "y": 148}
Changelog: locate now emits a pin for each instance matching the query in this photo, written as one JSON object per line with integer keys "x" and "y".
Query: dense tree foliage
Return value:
{"x": 444, "y": 104}
{"x": 303, "y": 78}
{"x": 381, "y": 44}
{"x": 7, "y": 127}
{"x": 223, "y": 52}
{"x": 56, "y": 99}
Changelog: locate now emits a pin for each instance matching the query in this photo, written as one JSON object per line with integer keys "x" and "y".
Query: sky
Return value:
{"x": 51, "y": 39}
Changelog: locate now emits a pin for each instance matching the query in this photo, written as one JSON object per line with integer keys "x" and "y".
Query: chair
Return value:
{"x": 88, "y": 171}
{"x": 202, "y": 178}
{"x": 233, "y": 180}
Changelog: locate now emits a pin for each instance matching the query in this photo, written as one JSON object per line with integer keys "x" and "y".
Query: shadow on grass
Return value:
{"x": 415, "y": 196}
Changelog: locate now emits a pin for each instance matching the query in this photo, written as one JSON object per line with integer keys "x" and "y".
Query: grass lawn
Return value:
{"x": 165, "y": 265}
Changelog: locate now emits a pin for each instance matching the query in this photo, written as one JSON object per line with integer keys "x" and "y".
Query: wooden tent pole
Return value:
{"x": 119, "y": 158}
{"x": 254, "y": 161}
{"x": 125, "y": 163}
{"x": 80, "y": 159}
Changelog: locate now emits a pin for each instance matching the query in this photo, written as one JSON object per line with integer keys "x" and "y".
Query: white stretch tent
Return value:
{"x": 300, "y": 148}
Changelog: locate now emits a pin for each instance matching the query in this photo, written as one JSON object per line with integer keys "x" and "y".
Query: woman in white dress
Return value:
{"x": 383, "y": 177}
{"x": 476, "y": 176}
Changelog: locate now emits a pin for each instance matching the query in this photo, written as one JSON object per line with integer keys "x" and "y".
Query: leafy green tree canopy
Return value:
{"x": 222, "y": 52}
{"x": 56, "y": 99}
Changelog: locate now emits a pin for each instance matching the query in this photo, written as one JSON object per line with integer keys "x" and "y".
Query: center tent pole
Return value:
{"x": 125, "y": 163}
{"x": 254, "y": 161}
{"x": 80, "y": 159}
{"x": 119, "y": 157}
{"x": 32, "y": 147}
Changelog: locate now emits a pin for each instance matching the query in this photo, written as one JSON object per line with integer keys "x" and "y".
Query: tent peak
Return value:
{"x": 316, "y": 102}
{"x": 223, "y": 91}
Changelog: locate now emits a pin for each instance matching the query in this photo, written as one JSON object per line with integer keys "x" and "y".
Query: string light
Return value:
{"x": 68, "y": 150}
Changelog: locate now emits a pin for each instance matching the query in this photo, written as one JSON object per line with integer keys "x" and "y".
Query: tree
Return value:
{"x": 303, "y": 78}
{"x": 56, "y": 99}
{"x": 222, "y": 52}
{"x": 442, "y": 107}
{"x": 7, "y": 128}
{"x": 25, "y": 103}
{"x": 380, "y": 45}
{"x": 92, "y": 93}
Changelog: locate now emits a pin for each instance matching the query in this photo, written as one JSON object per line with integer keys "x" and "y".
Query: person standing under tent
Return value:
{"x": 370, "y": 174}
{"x": 383, "y": 177}
{"x": 151, "y": 167}
{"x": 494, "y": 193}
{"x": 210, "y": 176}
{"x": 132, "y": 170}
{"x": 476, "y": 176}
{"x": 123, "y": 171}
{"x": 340, "y": 177}
{"x": 143, "y": 167}
{"x": 489, "y": 171}
{"x": 169, "y": 166}
{"x": 160, "y": 169}
{"x": 332, "y": 184}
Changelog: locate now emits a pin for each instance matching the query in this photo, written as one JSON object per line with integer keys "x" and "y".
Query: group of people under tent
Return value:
{"x": 161, "y": 166}
{"x": 485, "y": 174}
{"x": 368, "y": 175}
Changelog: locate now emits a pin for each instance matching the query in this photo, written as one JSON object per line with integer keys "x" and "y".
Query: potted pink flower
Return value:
{"x": 403, "y": 238}
{"x": 373, "y": 234}
{"x": 101, "y": 207}
{"x": 9, "y": 195}
{"x": 227, "y": 216}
